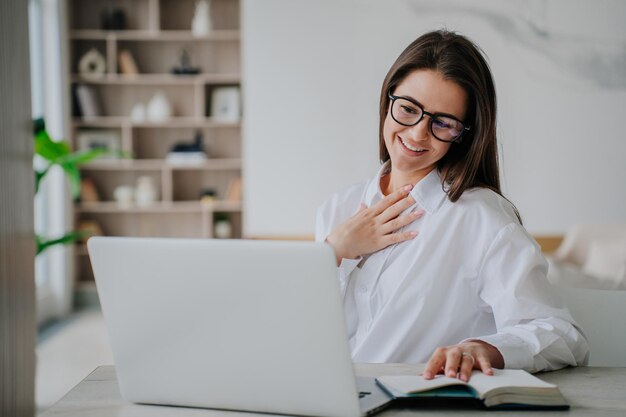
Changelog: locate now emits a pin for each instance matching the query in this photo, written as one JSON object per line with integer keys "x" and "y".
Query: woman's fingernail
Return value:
{"x": 427, "y": 375}
{"x": 451, "y": 373}
{"x": 463, "y": 378}
{"x": 408, "y": 187}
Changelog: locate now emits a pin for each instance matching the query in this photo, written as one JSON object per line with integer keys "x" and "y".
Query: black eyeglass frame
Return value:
{"x": 432, "y": 116}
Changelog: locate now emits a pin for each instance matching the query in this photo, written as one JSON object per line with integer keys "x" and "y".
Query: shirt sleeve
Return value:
{"x": 535, "y": 331}
{"x": 323, "y": 224}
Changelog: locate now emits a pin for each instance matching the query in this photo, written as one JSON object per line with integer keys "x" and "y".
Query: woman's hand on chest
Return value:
{"x": 374, "y": 228}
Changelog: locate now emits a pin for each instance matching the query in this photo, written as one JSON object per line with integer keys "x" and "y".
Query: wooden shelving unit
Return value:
{"x": 157, "y": 31}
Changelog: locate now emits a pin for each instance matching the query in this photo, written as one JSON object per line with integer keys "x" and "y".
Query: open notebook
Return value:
{"x": 507, "y": 388}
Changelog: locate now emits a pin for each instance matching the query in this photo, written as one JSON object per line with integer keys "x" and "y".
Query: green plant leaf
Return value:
{"x": 82, "y": 157}
{"x": 60, "y": 153}
{"x": 73, "y": 174}
{"x": 49, "y": 149}
{"x": 39, "y": 177}
{"x": 38, "y": 125}
{"x": 43, "y": 243}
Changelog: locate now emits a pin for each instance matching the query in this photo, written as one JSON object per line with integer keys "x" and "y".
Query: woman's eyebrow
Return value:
{"x": 412, "y": 100}
{"x": 438, "y": 113}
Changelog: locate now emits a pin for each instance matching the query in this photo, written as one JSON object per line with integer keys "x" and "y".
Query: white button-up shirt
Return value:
{"x": 472, "y": 272}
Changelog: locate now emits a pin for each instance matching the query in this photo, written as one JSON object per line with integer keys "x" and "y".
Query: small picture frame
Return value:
{"x": 109, "y": 139}
{"x": 226, "y": 104}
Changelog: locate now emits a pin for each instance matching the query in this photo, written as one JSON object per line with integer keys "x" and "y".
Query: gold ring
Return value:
{"x": 468, "y": 354}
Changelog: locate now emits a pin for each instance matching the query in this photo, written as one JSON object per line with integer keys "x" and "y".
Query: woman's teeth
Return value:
{"x": 414, "y": 149}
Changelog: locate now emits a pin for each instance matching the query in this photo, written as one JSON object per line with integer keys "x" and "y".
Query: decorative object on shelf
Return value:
{"x": 88, "y": 101}
{"x": 222, "y": 229}
{"x": 184, "y": 67}
{"x": 113, "y": 18}
{"x": 208, "y": 195}
{"x": 138, "y": 113}
{"x": 92, "y": 64}
{"x": 89, "y": 228}
{"x": 126, "y": 63}
{"x": 188, "y": 153}
{"x": 201, "y": 22}
{"x": 145, "y": 191}
{"x": 123, "y": 195}
{"x": 225, "y": 104}
{"x": 159, "y": 108}
{"x": 88, "y": 191}
{"x": 234, "y": 190}
{"x": 108, "y": 140}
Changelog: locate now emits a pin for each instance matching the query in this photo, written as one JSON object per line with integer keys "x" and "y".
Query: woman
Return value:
{"x": 469, "y": 291}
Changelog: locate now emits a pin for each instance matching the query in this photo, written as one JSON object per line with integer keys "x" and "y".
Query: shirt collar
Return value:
{"x": 428, "y": 192}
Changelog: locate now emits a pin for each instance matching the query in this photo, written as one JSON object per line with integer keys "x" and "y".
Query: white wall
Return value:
{"x": 313, "y": 71}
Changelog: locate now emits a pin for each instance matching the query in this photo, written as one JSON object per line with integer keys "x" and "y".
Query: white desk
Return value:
{"x": 591, "y": 391}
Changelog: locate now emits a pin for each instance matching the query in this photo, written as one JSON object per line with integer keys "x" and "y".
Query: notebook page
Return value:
{"x": 505, "y": 378}
{"x": 417, "y": 383}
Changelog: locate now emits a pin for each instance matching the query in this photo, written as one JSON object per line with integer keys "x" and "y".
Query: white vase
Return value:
{"x": 201, "y": 22}
{"x": 138, "y": 113}
{"x": 123, "y": 195}
{"x": 159, "y": 108}
{"x": 145, "y": 191}
{"x": 223, "y": 229}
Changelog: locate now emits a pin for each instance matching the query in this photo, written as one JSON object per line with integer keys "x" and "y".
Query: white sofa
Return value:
{"x": 589, "y": 271}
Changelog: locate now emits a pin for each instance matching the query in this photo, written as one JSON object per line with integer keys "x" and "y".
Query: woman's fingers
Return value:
{"x": 372, "y": 228}
{"x": 401, "y": 221}
{"x": 395, "y": 209}
{"x": 391, "y": 199}
{"x": 458, "y": 361}
{"x": 434, "y": 364}
{"x": 484, "y": 364}
{"x": 394, "y": 238}
{"x": 453, "y": 362}
{"x": 467, "y": 364}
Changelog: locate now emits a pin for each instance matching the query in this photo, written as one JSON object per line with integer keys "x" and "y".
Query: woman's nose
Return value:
{"x": 420, "y": 131}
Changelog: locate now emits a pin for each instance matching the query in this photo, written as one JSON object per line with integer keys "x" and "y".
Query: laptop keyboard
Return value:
{"x": 363, "y": 394}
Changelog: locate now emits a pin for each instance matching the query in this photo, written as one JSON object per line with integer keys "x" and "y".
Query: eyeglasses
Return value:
{"x": 444, "y": 127}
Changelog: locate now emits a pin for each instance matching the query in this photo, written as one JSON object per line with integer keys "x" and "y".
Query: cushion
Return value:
{"x": 606, "y": 259}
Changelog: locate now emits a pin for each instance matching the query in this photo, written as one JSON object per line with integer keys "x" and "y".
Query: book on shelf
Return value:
{"x": 88, "y": 101}
{"x": 234, "y": 190}
{"x": 126, "y": 63}
{"x": 506, "y": 389}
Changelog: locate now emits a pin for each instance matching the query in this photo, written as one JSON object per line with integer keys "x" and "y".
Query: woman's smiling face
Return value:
{"x": 413, "y": 150}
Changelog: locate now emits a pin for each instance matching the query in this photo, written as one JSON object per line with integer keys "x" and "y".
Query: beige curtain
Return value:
{"x": 17, "y": 250}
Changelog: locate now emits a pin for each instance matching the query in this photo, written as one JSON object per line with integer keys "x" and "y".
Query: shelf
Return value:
{"x": 157, "y": 35}
{"x": 174, "y": 122}
{"x": 153, "y": 35}
{"x": 81, "y": 250}
{"x": 124, "y": 165}
{"x": 159, "y": 164}
{"x": 157, "y": 79}
{"x": 111, "y": 207}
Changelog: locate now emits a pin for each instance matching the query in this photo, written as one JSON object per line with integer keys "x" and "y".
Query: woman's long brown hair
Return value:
{"x": 473, "y": 161}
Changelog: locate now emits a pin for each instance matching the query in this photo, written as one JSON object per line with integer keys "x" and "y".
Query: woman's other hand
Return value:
{"x": 372, "y": 228}
{"x": 459, "y": 360}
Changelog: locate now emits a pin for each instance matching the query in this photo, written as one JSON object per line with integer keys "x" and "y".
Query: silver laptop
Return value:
{"x": 229, "y": 324}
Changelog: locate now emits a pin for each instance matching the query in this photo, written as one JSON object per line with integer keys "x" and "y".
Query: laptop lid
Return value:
{"x": 230, "y": 324}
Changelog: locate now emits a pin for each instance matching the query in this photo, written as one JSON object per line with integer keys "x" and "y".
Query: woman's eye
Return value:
{"x": 440, "y": 124}
{"x": 408, "y": 110}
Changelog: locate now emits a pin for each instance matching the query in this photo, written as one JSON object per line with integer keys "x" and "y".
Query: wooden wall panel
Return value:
{"x": 17, "y": 248}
